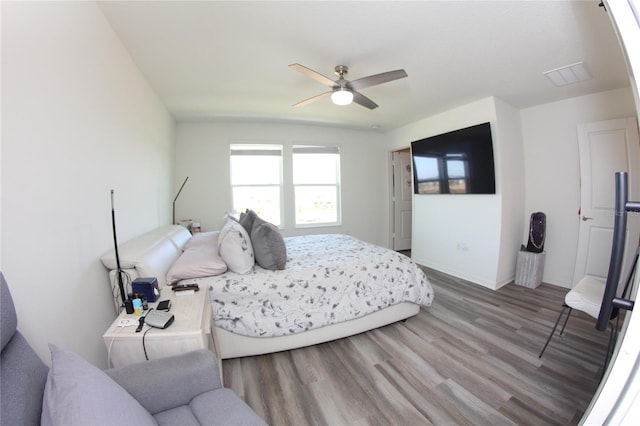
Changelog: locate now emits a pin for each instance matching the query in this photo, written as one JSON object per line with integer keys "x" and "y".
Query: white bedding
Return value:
{"x": 327, "y": 279}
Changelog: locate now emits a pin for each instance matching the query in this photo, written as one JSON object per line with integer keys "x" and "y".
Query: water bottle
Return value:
{"x": 137, "y": 307}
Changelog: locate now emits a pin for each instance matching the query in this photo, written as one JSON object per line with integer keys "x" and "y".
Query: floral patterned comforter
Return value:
{"x": 328, "y": 279}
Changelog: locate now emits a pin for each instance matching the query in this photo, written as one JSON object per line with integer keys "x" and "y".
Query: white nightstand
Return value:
{"x": 190, "y": 330}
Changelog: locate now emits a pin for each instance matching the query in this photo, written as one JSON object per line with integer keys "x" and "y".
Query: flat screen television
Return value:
{"x": 457, "y": 162}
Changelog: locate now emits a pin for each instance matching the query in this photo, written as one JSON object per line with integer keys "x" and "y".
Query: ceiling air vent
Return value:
{"x": 568, "y": 75}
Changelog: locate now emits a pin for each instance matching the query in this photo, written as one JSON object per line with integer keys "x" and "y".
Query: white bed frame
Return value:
{"x": 231, "y": 345}
{"x": 153, "y": 253}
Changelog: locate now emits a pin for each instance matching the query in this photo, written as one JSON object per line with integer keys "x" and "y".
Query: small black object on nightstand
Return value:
{"x": 164, "y": 305}
{"x": 140, "y": 325}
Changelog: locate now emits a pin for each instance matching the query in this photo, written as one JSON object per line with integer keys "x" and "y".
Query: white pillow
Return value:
{"x": 77, "y": 393}
{"x": 234, "y": 246}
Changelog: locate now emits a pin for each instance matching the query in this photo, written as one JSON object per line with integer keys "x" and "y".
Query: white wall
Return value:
{"x": 553, "y": 170}
{"x": 78, "y": 119}
{"x": 202, "y": 153}
{"x": 471, "y": 236}
{"x": 510, "y": 172}
{"x": 539, "y": 174}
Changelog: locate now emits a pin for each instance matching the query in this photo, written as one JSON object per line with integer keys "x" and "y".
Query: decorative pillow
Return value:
{"x": 200, "y": 259}
{"x": 203, "y": 238}
{"x": 268, "y": 245}
{"x": 77, "y": 393}
{"x": 234, "y": 246}
{"x": 247, "y": 219}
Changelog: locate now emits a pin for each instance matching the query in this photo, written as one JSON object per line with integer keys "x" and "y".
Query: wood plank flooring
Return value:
{"x": 470, "y": 359}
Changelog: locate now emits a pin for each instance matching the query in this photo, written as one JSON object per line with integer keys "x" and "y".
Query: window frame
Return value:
{"x": 258, "y": 148}
{"x": 317, "y": 149}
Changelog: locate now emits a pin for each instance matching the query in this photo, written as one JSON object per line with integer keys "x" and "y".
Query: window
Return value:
{"x": 285, "y": 182}
{"x": 316, "y": 182}
{"x": 256, "y": 180}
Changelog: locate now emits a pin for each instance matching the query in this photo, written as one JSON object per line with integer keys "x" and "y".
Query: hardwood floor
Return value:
{"x": 470, "y": 359}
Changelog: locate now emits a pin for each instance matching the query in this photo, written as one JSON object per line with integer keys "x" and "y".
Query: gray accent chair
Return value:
{"x": 183, "y": 390}
{"x": 22, "y": 373}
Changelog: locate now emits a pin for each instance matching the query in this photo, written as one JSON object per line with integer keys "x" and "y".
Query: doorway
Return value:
{"x": 401, "y": 199}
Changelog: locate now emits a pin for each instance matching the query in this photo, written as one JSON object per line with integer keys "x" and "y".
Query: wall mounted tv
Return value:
{"x": 457, "y": 162}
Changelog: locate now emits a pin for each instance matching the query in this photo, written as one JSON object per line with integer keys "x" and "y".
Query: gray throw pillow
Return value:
{"x": 269, "y": 248}
{"x": 246, "y": 220}
{"x": 77, "y": 393}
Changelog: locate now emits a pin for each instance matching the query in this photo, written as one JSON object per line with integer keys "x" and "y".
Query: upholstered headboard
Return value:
{"x": 149, "y": 255}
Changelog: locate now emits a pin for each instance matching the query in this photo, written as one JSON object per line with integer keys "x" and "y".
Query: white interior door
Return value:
{"x": 605, "y": 147}
{"x": 402, "y": 193}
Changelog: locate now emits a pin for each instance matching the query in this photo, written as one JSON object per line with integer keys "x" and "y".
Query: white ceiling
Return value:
{"x": 215, "y": 59}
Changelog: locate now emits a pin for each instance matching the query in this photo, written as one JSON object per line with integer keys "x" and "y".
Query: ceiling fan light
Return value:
{"x": 342, "y": 97}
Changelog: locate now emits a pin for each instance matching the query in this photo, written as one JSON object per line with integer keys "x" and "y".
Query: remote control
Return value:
{"x": 140, "y": 325}
{"x": 183, "y": 287}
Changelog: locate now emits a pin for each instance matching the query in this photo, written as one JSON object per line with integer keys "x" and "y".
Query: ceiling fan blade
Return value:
{"x": 313, "y": 74}
{"x": 361, "y": 99}
{"x": 313, "y": 99}
{"x": 376, "y": 79}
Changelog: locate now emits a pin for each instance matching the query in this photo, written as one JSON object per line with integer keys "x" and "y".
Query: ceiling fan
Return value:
{"x": 343, "y": 91}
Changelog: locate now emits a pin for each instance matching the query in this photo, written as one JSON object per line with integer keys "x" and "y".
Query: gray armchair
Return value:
{"x": 184, "y": 387}
{"x": 183, "y": 390}
{"x": 22, "y": 373}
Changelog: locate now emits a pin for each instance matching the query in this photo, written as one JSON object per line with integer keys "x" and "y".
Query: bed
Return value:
{"x": 331, "y": 286}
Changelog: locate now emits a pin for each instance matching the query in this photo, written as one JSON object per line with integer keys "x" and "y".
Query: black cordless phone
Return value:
{"x": 164, "y": 305}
